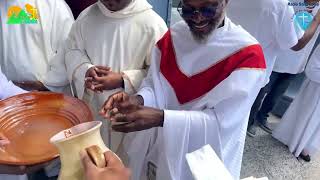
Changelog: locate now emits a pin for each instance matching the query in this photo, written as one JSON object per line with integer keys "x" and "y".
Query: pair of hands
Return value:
{"x": 128, "y": 114}
{"x": 99, "y": 78}
{"x": 11, "y": 169}
{"x": 115, "y": 170}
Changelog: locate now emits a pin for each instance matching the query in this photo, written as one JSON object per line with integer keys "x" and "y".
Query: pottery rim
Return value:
{"x": 81, "y": 129}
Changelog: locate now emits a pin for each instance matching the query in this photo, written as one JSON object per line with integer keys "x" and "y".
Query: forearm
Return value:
{"x": 309, "y": 33}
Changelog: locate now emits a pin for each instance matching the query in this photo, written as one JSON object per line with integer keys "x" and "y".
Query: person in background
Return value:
{"x": 8, "y": 89}
{"x": 271, "y": 23}
{"x": 204, "y": 76}
{"x": 109, "y": 49}
{"x": 299, "y": 128}
{"x": 32, "y": 55}
{"x": 288, "y": 65}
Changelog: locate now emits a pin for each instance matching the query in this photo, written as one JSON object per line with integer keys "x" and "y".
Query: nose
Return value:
{"x": 197, "y": 17}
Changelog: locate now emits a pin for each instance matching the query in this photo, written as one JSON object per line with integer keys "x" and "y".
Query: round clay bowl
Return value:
{"x": 30, "y": 120}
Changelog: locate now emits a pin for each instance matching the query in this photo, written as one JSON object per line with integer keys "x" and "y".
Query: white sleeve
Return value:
{"x": 287, "y": 36}
{"x": 222, "y": 124}
{"x": 133, "y": 78}
{"x": 313, "y": 67}
{"x": 56, "y": 77}
{"x": 7, "y": 88}
{"x": 147, "y": 86}
{"x": 76, "y": 59}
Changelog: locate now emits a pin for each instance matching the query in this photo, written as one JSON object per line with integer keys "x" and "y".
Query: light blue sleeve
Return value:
{"x": 7, "y": 88}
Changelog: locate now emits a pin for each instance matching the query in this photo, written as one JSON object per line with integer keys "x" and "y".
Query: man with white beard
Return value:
{"x": 299, "y": 128}
{"x": 204, "y": 76}
{"x": 109, "y": 49}
{"x": 32, "y": 55}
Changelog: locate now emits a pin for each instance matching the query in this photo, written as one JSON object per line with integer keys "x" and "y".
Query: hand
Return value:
{"x": 128, "y": 110}
{"x": 31, "y": 85}
{"x": 90, "y": 75}
{"x": 107, "y": 80}
{"x": 3, "y": 140}
{"x": 115, "y": 169}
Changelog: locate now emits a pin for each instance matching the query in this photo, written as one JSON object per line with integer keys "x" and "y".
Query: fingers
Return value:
{"x": 112, "y": 101}
{"x": 86, "y": 161}
{"x": 104, "y": 68}
{"x": 103, "y": 72}
{"x": 112, "y": 160}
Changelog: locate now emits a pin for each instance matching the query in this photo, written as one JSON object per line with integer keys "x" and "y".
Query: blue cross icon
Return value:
{"x": 303, "y": 19}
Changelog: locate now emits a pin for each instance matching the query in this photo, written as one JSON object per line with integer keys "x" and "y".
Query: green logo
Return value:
{"x": 16, "y": 15}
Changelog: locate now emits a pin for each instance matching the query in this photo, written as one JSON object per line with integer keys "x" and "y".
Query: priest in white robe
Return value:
{"x": 32, "y": 55}
{"x": 118, "y": 35}
{"x": 299, "y": 128}
{"x": 271, "y": 22}
{"x": 204, "y": 76}
{"x": 7, "y": 89}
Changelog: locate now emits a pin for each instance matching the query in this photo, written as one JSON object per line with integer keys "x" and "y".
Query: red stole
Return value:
{"x": 190, "y": 88}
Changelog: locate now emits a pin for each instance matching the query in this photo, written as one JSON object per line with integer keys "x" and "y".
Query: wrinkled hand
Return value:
{"x": 129, "y": 110}
{"x": 31, "y": 85}
{"x": 101, "y": 78}
{"x": 115, "y": 169}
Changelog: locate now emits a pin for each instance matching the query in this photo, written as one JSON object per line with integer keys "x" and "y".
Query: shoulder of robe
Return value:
{"x": 151, "y": 21}
{"x": 275, "y": 6}
{"x": 89, "y": 11}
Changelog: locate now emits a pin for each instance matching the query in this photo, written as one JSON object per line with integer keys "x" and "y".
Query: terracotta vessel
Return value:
{"x": 71, "y": 141}
{"x": 29, "y": 121}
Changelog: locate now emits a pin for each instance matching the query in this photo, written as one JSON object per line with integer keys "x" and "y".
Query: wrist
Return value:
{"x": 161, "y": 118}
{"x": 140, "y": 100}
{"x": 122, "y": 83}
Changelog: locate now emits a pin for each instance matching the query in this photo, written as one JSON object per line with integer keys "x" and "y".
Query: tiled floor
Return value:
{"x": 265, "y": 156}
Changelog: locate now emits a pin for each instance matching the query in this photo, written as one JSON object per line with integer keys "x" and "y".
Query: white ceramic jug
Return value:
{"x": 70, "y": 142}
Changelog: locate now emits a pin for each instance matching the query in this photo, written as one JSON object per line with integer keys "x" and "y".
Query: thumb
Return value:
{"x": 112, "y": 160}
{"x": 86, "y": 162}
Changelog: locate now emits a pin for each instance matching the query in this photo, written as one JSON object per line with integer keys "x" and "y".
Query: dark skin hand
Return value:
{"x": 115, "y": 170}
{"x": 11, "y": 169}
{"x": 308, "y": 34}
{"x": 130, "y": 112}
{"x": 99, "y": 78}
{"x": 31, "y": 85}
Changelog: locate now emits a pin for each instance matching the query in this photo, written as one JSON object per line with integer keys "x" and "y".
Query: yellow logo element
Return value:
{"x": 16, "y": 15}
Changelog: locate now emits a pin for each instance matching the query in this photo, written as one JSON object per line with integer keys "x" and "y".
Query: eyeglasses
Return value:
{"x": 189, "y": 12}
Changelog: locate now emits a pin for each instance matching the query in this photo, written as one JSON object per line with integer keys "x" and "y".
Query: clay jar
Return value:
{"x": 71, "y": 141}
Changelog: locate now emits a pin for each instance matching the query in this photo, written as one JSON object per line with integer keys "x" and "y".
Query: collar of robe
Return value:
{"x": 135, "y": 7}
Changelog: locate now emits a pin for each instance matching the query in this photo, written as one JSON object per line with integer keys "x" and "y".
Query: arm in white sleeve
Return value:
{"x": 7, "y": 88}
{"x": 313, "y": 67}
{"x": 222, "y": 124}
{"x": 56, "y": 77}
{"x": 147, "y": 85}
{"x": 133, "y": 78}
{"x": 76, "y": 59}
{"x": 286, "y": 33}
